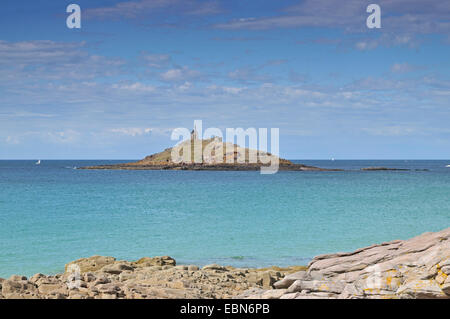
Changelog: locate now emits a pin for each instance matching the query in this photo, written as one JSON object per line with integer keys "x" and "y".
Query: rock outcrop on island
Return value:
{"x": 372, "y": 169}
{"x": 415, "y": 268}
{"x": 383, "y": 169}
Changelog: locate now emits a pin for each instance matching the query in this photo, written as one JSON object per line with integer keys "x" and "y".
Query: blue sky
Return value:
{"x": 116, "y": 88}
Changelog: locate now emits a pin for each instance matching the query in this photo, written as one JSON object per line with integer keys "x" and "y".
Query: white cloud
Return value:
{"x": 366, "y": 45}
{"x": 138, "y": 8}
{"x": 185, "y": 86}
{"x": 132, "y": 131}
{"x": 137, "y": 87}
{"x": 391, "y": 131}
{"x": 226, "y": 89}
{"x": 53, "y": 61}
{"x": 232, "y": 90}
{"x": 157, "y": 60}
{"x": 44, "y": 51}
{"x": 129, "y": 9}
{"x": 401, "y": 68}
{"x": 64, "y": 137}
{"x": 386, "y": 40}
{"x": 413, "y": 16}
{"x": 172, "y": 75}
{"x": 180, "y": 74}
{"x": 248, "y": 74}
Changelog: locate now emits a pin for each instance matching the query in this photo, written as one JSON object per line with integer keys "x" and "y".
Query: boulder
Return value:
{"x": 214, "y": 267}
{"x": 117, "y": 268}
{"x": 53, "y": 289}
{"x": 446, "y": 270}
{"x": 295, "y": 287}
{"x": 88, "y": 277}
{"x": 287, "y": 281}
{"x": 17, "y": 287}
{"x": 193, "y": 268}
{"x": 414, "y": 268}
{"x": 155, "y": 261}
{"x": 421, "y": 289}
{"x": 90, "y": 264}
{"x": 351, "y": 291}
{"x": 37, "y": 277}
{"x": 290, "y": 295}
{"x": 273, "y": 294}
{"x": 317, "y": 286}
{"x": 268, "y": 279}
{"x": 17, "y": 278}
{"x": 446, "y": 287}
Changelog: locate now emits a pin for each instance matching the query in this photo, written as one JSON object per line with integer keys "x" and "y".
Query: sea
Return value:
{"x": 53, "y": 213}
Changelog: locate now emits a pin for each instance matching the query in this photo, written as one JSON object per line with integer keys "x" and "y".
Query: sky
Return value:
{"x": 136, "y": 70}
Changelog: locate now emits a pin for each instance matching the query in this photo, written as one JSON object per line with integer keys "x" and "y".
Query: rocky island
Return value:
{"x": 214, "y": 155}
{"x": 414, "y": 268}
{"x": 218, "y": 156}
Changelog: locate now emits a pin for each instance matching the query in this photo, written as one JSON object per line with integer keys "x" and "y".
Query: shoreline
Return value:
{"x": 205, "y": 167}
{"x": 239, "y": 167}
{"x": 414, "y": 268}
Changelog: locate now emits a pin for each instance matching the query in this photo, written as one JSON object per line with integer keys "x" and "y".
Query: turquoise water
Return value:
{"x": 52, "y": 214}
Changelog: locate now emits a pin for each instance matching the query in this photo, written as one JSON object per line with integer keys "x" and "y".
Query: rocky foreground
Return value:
{"x": 102, "y": 277}
{"x": 415, "y": 268}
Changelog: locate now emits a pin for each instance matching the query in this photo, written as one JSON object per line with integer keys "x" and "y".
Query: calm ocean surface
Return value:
{"x": 51, "y": 214}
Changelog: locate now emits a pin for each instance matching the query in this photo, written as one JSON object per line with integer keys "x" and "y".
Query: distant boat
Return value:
{"x": 447, "y": 166}
{"x": 332, "y": 159}
{"x": 38, "y": 162}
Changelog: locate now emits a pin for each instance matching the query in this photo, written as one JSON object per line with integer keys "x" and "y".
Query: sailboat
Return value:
{"x": 38, "y": 162}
